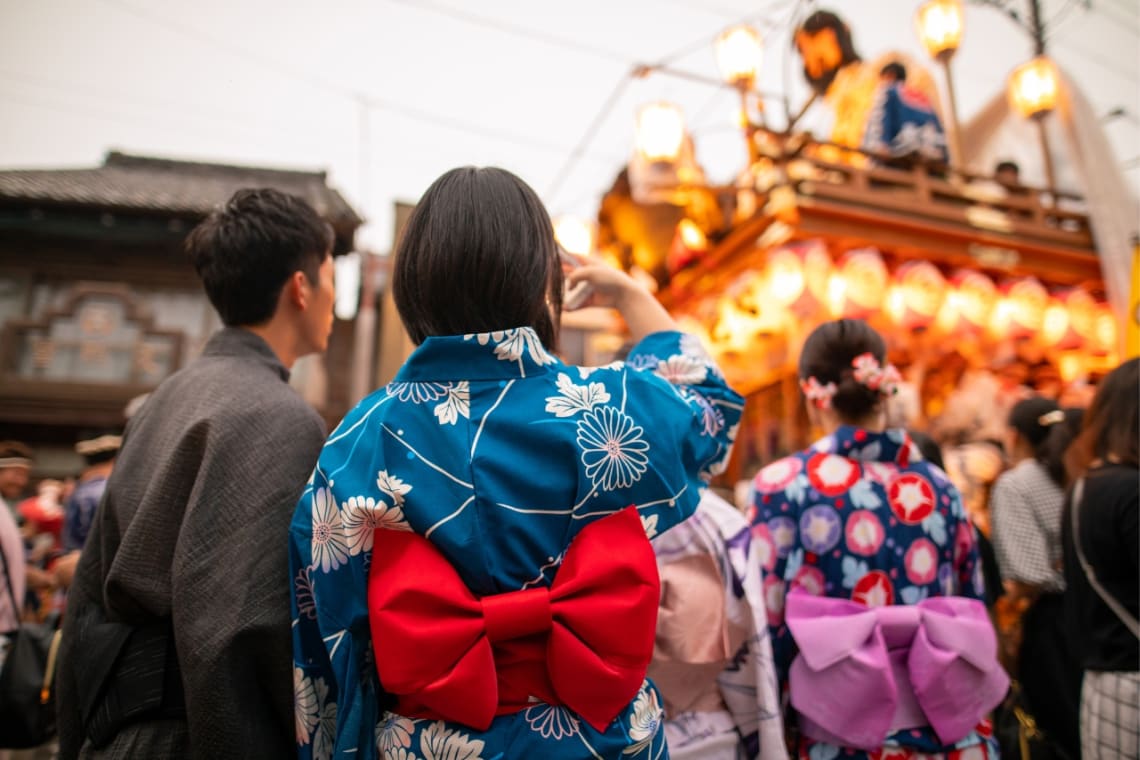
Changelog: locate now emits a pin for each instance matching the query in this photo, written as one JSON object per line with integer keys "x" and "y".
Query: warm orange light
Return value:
{"x": 660, "y": 131}
{"x": 1033, "y": 87}
{"x": 739, "y": 54}
{"x": 692, "y": 236}
{"x": 949, "y": 317}
{"x": 976, "y": 297}
{"x": 785, "y": 277}
{"x": 1071, "y": 366}
{"x": 1105, "y": 330}
{"x": 836, "y": 292}
{"x": 866, "y": 276}
{"x": 574, "y": 234}
{"x": 1055, "y": 326}
{"x": 896, "y": 304}
{"x": 689, "y": 243}
{"x": 923, "y": 289}
{"x": 940, "y": 24}
{"x": 1029, "y": 300}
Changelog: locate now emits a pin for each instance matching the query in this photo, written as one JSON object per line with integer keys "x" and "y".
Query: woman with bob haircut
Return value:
{"x": 874, "y": 585}
{"x": 472, "y": 572}
{"x": 1101, "y": 535}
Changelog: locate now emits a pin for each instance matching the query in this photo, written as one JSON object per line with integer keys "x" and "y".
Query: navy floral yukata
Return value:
{"x": 499, "y": 454}
{"x": 861, "y": 516}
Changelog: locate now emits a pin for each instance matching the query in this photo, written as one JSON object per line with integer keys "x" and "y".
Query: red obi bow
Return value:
{"x": 436, "y": 643}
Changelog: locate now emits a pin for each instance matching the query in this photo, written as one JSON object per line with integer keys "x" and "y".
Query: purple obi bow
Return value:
{"x": 865, "y": 672}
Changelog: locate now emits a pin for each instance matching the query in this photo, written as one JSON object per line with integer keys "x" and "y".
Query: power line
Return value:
{"x": 583, "y": 143}
{"x": 1104, "y": 63}
{"x": 512, "y": 29}
{"x": 1128, "y": 23}
{"x": 440, "y": 120}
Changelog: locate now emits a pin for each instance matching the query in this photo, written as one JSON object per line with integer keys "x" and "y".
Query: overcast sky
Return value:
{"x": 388, "y": 94}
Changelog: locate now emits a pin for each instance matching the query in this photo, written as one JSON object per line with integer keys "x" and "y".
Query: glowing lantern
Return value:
{"x": 836, "y": 293}
{"x": 865, "y": 277}
{"x": 1071, "y": 366}
{"x": 895, "y": 304}
{"x": 974, "y": 298}
{"x": 739, "y": 53}
{"x": 798, "y": 276}
{"x": 1033, "y": 87}
{"x": 1068, "y": 320}
{"x": 660, "y": 131}
{"x": 922, "y": 289}
{"x": 574, "y": 234}
{"x": 1021, "y": 311}
{"x": 1105, "y": 331}
{"x": 689, "y": 244}
{"x": 940, "y": 26}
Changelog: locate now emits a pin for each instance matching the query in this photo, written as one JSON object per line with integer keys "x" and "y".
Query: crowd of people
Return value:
{"x": 502, "y": 555}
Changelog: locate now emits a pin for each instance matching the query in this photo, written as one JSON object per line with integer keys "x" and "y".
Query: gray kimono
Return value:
{"x": 191, "y": 541}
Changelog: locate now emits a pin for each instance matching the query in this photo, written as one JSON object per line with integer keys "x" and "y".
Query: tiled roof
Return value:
{"x": 165, "y": 185}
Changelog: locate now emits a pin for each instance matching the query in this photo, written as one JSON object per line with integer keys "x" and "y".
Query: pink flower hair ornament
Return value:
{"x": 870, "y": 373}
{"x": 817, "y": 393}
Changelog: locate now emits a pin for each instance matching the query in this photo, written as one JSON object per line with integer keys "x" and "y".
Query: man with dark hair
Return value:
{"x": 1008, "y": 174}
{"x": 176, "y": 640}
{"x": 902, "y": 128}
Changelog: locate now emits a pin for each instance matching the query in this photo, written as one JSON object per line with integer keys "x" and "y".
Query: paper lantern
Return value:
{"x": 865, "y": 280}
{"x": 922, "y": 289}
{"x": 798, "y": 275}
{"x": 1033, "y": 87}
{"x": 1021, "y": 309}
{"x": 974, "y": 296}
{"x": 1068, "y": 320}
{"x": 1106, "y": 331}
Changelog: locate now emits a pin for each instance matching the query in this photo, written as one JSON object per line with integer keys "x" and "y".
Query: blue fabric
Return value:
{"x": 499, "y": 454}
{"x": 902, "y": 123}
{"x": 861, "y": 516}
{"x": 80, "y": 512}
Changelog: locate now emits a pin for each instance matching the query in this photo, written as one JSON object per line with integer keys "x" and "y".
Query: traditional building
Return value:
{"x": 98, "y": 302}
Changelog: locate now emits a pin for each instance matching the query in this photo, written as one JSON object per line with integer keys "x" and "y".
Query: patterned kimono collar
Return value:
{"x": 856, "y": 443}
{"x": 499, "y": 355}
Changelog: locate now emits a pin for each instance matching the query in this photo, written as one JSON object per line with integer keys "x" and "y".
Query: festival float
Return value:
{"x": 959, "y": 271}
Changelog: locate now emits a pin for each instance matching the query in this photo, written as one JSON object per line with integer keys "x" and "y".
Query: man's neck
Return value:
{"x": 280, "y": 339}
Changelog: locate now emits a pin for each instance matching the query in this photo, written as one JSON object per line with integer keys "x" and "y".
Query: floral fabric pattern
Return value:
{"x": 499, "y": 454}
{"x": 861, "y": 516}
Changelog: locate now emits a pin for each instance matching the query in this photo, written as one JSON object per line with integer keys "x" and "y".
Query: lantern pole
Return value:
{"x": 1038, "y": 31}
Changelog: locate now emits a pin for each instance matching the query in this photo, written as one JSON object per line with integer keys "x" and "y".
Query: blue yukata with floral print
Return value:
{"x": 499, "y": 454}
{"x": 859, "y": 515}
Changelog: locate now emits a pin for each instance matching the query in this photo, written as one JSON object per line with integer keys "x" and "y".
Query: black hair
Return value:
{"x": 1007, "y": 166}
{"x": 477, "y": 255}
{"x": 816, "y": 23}
{"x": 929, "y": 448}
{"x": 247, "y": 250}
{"x": 1111, "y": 428}
{"x": 827, "y": 356}
{"x": 1032, "y": 417}
{"x": 1051, "y": 452}
{"x": 895, "y": 69}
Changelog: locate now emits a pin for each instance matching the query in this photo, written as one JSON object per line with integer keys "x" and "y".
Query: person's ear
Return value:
{"x": 298, "y": 290}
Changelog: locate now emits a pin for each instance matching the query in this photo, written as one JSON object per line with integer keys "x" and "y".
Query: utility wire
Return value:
{"x": 584, "y": 142}
{"x": 512, "y": 29}
{"x": 440, "y": 120}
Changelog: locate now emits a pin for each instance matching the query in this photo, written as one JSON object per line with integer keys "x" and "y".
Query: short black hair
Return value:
{"x": 895, "y": 69}
{"x": 1007, "y": 166}
{"x": 477, "y": 255}
{"x": 827, "y": 356}
{"x": 246, "y": 250}
{"x": 928, "y": 447}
